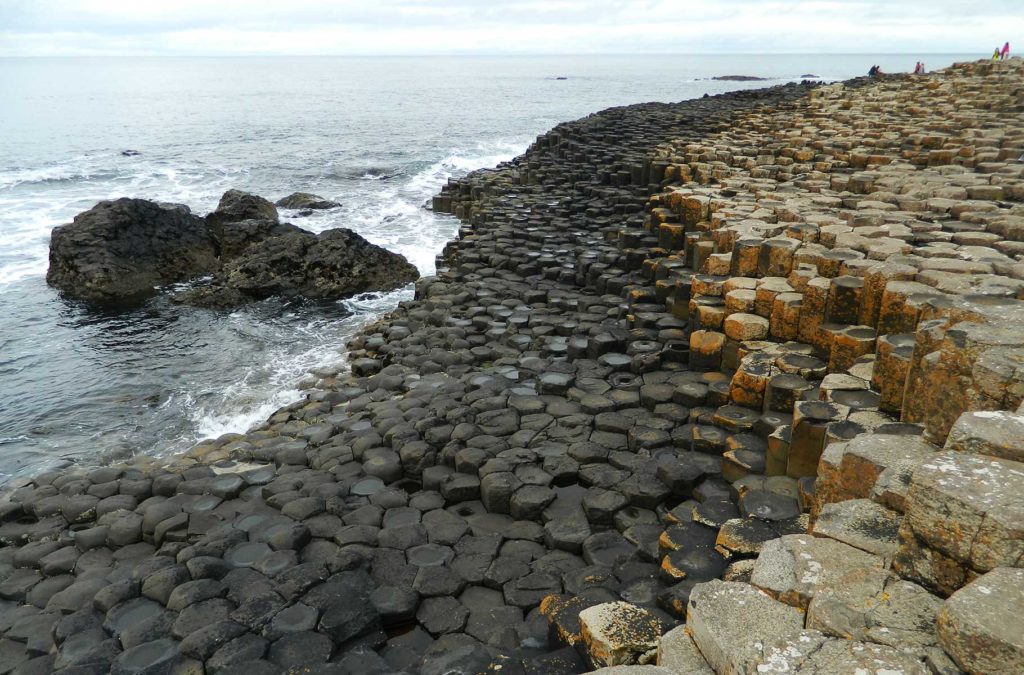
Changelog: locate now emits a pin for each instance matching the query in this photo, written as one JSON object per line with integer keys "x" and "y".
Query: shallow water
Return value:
{"x": 380, "y": 135}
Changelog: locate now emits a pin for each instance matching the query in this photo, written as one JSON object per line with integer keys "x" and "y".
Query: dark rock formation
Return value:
{"x": 120, "y": 250}
{"x": 335, "y": 264}
{"x": 305, "y": 200}
{"x": 233, "y": 238}
{"x": 739, "y": 78}
{"x": 236, "y": 205}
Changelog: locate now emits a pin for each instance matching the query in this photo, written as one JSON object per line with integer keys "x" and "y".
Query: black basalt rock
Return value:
{"x": 120, "y": 250}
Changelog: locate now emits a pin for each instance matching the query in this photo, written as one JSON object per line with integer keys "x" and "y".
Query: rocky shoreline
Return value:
{"x": 732, "y": 385}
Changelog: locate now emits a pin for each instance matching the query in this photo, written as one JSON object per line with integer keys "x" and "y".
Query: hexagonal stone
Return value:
{"x": 768, "y": 505}
{"x": 297, "y": 650}
{"x": 860, "y": 523}
{"x": 436, "y": 581}
{"x": 247, "y": 555}
{"x": 200, "y": 614}
{"x": 812, "y": 652}
{"x": 731, "y": 621}
{"x": 970, "y": 508}
{"x": 618, "y": 633}
{"x": 875, "y": 605}
{"x": 129, "y": 613}
{"x": 346, "y": 610}
{"x": 442, "y": 615}
{"x": 201, "y": 644}
{"x": 150, "y": 657}
{"x": 239, "y": 650}
{"x": 395, "y": 605}
{"x": 795, "y": 567}
{"x": 678, "y": 653}
{"x": 979, "y": 625}
{"x": 998, "y": 433}
{"x": 192, "y": 592}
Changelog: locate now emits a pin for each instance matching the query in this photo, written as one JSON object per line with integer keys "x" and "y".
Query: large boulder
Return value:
{"x": 332, "y": 265}
{"x": 305, "y": 200}
{"x": 119, "y": 250}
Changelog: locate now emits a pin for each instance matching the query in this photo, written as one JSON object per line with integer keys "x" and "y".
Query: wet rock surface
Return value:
{"x": 668, "y": 403}
{"x": 120, "y": 252}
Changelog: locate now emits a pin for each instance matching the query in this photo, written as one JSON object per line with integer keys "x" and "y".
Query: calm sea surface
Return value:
{"x": 380, "y": 135}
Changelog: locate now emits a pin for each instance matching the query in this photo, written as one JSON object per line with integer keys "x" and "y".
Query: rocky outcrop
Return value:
{"x": 121, "y": 250}
{"x": 332, "y": 265}
{"x": 302, "y": 201}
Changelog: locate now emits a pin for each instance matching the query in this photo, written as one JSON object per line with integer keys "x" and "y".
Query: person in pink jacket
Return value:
{"x": 1006, "y": 51}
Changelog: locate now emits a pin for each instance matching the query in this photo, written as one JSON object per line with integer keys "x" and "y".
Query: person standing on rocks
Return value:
{"x": 996, "y": 55}
{"x": 1005, "y": 54}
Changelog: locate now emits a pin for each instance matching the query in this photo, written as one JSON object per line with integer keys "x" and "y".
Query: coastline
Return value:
{"x": 608, "y": 393}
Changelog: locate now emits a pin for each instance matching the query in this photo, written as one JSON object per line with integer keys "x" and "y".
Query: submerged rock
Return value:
{"x": 119, "y": 250}
{"x": 305, "y": 200}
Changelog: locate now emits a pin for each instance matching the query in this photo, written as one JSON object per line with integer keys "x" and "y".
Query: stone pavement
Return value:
{"x": 732, "y": 385}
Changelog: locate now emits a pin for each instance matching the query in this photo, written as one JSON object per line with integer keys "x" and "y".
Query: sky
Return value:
{"x": 407, "y": 27}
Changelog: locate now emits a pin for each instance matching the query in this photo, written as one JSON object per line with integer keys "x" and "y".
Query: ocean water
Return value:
{"x": 380, "y": 135}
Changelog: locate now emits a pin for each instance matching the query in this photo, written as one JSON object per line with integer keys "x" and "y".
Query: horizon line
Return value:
{"x": 473, "y": 54}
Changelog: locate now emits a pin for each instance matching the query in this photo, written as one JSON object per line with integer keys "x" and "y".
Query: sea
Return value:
{"x": 380, "y": 135}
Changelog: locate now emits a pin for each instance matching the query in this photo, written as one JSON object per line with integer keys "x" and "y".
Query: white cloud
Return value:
{"x": 43, "y": 27}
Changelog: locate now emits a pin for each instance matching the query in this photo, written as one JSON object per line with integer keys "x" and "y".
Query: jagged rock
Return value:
{"x": 236, "y": 205}
{"x": 120, "y": 250}
{"x": 332, "y": 265}
{"x": 305, "y": 200}
{"x": 233, "y": 238}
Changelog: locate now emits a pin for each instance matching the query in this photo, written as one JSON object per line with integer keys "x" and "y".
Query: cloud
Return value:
{"x": 72, "y": 27}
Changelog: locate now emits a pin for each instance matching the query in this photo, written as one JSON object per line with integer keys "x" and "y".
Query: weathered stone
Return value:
{"x": 730, "y": 622}
{"x": 969, "y": 508}
{"x": 861, "y": 523}
{"x": 678, "y": 654}
{"x": 619, "y": 633}
{"x": 979, "y": 625}
{"x": 996, "y": 433}
{"x": 795, "y": 567}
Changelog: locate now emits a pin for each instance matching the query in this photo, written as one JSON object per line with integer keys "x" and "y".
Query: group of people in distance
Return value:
{"x": 997, "y": 55}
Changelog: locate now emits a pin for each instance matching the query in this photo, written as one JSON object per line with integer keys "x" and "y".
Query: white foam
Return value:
{"x": 390, "y": 213}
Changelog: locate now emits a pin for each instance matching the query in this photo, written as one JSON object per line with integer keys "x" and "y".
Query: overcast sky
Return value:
{"x": 81, "y": 27}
